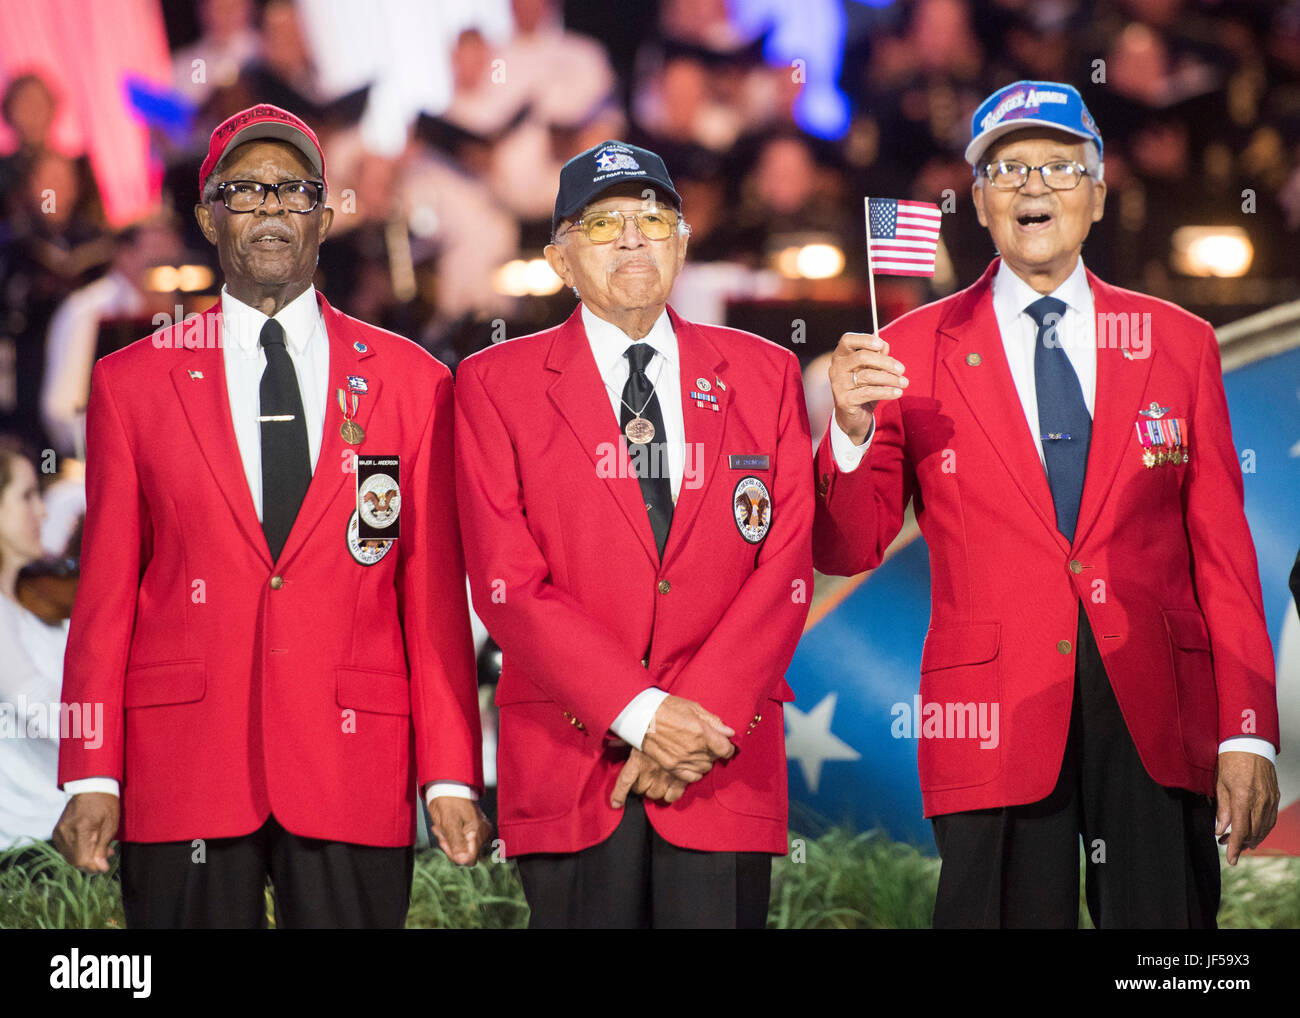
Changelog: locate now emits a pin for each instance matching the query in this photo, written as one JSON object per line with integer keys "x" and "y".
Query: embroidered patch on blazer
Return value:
{"x": 367, "y": 552}
{"x": 751, "y": 505}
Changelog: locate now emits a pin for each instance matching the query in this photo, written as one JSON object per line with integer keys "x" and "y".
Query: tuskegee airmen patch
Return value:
{"x": 379, "y": 497}
{"x": 369, "y": 551}
{"x": 751, "y": 504}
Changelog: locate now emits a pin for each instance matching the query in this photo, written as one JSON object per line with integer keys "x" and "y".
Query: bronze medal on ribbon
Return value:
{"x": 350, "y": 429}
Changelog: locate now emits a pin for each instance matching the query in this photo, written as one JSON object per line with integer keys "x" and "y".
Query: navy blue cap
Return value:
{"x": 599, "y": 168}
{"x": 1030, "y": 104}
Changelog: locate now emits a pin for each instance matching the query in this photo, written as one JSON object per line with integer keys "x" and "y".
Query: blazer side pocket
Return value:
{"x": 379, "y": 692}
{"x": 960, "y": 738}
{"x": 167, "y": 682}
{"x": 1198, "y": 698}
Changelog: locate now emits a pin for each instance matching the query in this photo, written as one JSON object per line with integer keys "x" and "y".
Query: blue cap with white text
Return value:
{"x": 1030, "y": 104}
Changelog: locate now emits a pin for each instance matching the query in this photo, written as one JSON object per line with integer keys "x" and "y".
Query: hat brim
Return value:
{"x": 606, "y": 185}
{"x": 277, "y": 132}
{"x": 981, "y": 142}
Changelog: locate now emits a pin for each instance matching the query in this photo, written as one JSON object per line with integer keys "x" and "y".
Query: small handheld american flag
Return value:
{"x": 902, "y": 240}
{"x": 902, "y": 236}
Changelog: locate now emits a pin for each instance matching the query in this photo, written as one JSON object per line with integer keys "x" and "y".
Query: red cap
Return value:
{"x": 262, "y": 121}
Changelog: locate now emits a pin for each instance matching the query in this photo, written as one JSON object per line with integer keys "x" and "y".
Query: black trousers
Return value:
{"x": 636, "y": 880}
{"x": 221, "y": 883}
{"x": 1151, "y": 857}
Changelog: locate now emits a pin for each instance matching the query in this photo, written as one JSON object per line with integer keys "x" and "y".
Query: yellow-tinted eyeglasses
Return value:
{"x": 604, "y": 225}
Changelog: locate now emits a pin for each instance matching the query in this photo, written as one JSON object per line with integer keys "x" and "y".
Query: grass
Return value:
{"x": 840, "y": 880}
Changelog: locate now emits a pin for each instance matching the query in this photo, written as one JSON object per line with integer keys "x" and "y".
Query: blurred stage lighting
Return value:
{"x": 531, "y": 278}
{"x": 186, "y": 278}
{"x": 1223, "y": 251}
{"x": 810, "y": 261}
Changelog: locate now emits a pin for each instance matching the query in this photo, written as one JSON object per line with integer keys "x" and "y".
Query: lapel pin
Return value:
{"x": 974, "y": 360}
{"x": 1155, "y": 411}
{"x": 1128, "y": 354}
{"x": 360, "y": 347}
{"x": 195, "y": 375}
{"x": 703, "y": 384}
{"x": 358, "y": 384}
{"x": 718, "y": 382}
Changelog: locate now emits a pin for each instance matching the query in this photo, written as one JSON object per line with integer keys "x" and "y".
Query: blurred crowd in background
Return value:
{"x": 445, "y": 124}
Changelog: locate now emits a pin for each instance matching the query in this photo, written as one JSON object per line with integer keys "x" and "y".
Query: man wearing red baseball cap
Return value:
{"x": 272, "y": 606}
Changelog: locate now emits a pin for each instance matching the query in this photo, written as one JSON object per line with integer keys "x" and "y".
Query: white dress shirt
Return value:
{"x": 1077, "y": 334}
{"x": 308, "y": 345}
{"x": 608, "y": 345}
{"x": 31, "y": 674}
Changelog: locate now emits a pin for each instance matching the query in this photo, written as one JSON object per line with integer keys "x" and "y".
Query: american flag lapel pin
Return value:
{"x": 195, "y": 375}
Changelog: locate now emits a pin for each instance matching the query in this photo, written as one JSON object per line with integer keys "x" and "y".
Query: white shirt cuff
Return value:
{"x": 634, "y": 720}
{"x": 1247, "y": 744}
{"x": 847, "y": 455}
{"x": 451, "y": 789}
{"x": 83, "y": 785}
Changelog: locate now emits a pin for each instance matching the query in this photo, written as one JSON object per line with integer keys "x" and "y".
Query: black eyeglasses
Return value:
{"x": 1010, "y": 175}
{"x": 247, "y": 195}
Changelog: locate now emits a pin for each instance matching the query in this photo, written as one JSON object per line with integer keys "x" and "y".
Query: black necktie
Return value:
{"x": 286, "y": 459}
{"x": 1063, "y": 421}
{"x": 650, "y": 459}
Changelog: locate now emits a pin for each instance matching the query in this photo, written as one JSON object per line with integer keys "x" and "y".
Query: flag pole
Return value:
{"x": 871, "y": 277}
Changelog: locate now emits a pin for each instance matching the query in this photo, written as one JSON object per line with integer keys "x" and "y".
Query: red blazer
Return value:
{"x": 312, "y": 687}
{"x": 1162, "y": 558}
{"x": 565, "y": 574}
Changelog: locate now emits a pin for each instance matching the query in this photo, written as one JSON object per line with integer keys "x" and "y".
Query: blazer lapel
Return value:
{"x": 699, "y": 358}
{"x": 978, "y": 364}
{"x": 579, "y": 394}
{"x": 200, "y": 382}
{"x": 1121, "y": 381}
{"x": 330, "y": 473}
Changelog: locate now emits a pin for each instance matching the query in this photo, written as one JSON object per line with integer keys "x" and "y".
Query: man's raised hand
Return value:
{"x": 862, "y": 373}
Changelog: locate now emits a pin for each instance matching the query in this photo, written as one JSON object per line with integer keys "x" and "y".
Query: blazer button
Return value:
{"x": 277, "y": 582}
{"x": 1063, "y": 646}
{"x": 664, "y": 586}
{"x": 1076, "y": 566}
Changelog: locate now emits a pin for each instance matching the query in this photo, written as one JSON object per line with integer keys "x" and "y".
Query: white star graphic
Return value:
{"x": 808, "y": 739}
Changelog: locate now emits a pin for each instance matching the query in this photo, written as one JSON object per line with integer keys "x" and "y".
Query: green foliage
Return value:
{"x": 852, "y": 881}
{"x": 38, "y": 890}
{"x": 841, "y": 880}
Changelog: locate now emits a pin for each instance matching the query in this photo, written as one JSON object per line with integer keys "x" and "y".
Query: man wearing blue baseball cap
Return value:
{"x": 1067, "y": 448}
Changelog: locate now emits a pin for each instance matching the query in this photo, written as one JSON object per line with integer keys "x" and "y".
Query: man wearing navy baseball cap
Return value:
{"x": 637, "y": 511}
{"x": 1067, "y": 447}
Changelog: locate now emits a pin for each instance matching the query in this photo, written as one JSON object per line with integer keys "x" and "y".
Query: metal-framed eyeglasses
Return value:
{"x": 249, "y": 195}
{"x": 1010, "y": 175}
{"x": 604, "y": 225}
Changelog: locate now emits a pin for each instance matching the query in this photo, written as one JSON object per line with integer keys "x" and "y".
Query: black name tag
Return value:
{"x": 379, "y": 497}
{"x": 750, "y": 461}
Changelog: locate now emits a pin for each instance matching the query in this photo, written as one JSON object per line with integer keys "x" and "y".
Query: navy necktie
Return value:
{"x": 1063, "y": 420}
{"x": 651, "y": 465}
{"x": 286, "y": 456}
